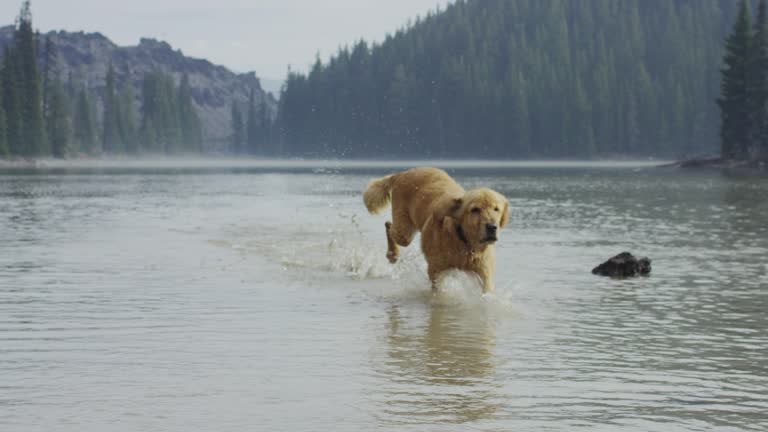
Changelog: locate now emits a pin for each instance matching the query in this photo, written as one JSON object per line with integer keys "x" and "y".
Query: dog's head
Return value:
{"x": 478, "y": 216}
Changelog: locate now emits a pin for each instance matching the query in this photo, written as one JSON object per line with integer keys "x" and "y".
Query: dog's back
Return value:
{"x": 413, "y": 193}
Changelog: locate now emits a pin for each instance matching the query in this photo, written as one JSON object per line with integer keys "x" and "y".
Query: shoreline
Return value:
{"x": 758, "y": 166}
{"x": 221, "y": 161}
{"x": 20, "y": 163}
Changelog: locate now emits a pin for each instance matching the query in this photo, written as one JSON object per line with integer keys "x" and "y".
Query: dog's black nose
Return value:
{"x": 491, "y": 228}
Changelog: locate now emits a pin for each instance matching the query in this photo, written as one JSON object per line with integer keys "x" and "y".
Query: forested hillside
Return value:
{"x": 520, "y": 78}
{"x": 744, "y": 91}
{"x": 64, "y": 94}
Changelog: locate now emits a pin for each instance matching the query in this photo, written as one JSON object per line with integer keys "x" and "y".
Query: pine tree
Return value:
{"x": 760, "y": 77}
{"x": 150, "y": 96}
{"x": 12, "y": 103}
{"x": 60, "y": 131}
{"x": 33, "y": 131}
{"x": 52, "y": 123}
{"x": 4, "y": 151}
{"x": 252, "y": 125}
{"x": 161, "y": 129}
{"x": 149, "y": 136}
{"x": 128, "y": 120}
{"x": 111, "y": 140}
{"x": 170, "y": 126}
{"x": 191, "y": 127}
{"x": 735, "y": 102}
{"x": 49, "y": 59}
{"x": 84, "y": 124}
{"x": 398, "y": 98}
{"x": 266, "y": 125}
{"x": 584, "y": 140}
{"x": 238, "y": 132}
{"x": 522, "y": 126}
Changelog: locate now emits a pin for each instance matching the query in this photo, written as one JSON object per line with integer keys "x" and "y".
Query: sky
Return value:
{"x": 245, "y": 35}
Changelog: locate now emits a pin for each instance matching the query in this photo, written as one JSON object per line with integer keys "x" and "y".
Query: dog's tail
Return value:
{"x": 379, "y": 194}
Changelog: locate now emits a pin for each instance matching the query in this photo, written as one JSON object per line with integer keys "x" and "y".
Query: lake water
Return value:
{"x": 234, "y": 297}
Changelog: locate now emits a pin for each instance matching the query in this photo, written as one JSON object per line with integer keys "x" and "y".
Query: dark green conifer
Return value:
{"x": 4, "y": 151}
{"x": 252, "y": 127}
{"x": 150, "y": 95}
{"x": 84, "y": 125}
{"x": 265, "y": 123}
{"x": 127, "y": 114}
{"x": 60, "y": 131}
{"x": 111, "y": 139}
{"x": 161, "y": 130}
{"x": 33, "y": 140}
{"x": 191, "y": 127}
{"x": 760, "y": 77}
{"x": 735, "y": 101}
{"x": 49, "y": 59}
{"x": 149, "y": 136}
{"x": 11, "y": 102}
{"x": 169, "y": 116}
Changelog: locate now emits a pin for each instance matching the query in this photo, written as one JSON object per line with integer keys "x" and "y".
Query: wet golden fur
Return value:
{"x": 455, "y": 224}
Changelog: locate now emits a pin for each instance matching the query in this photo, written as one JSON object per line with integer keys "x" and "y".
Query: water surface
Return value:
{"x": 257, "y": 297}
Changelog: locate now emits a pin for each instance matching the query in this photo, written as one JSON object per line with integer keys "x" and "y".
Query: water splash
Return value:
{"x": 464, "y": 291}
{"x": 346, "y": 251}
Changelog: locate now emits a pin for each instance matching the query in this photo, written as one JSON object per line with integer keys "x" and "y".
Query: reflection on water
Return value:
{"x": 246, "y": 297}
{"x": 441, "y": 371}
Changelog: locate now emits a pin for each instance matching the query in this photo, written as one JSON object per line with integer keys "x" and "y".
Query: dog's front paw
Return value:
{"x": 392, "y": 257}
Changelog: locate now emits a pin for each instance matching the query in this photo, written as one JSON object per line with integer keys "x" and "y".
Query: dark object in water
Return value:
{"x": 624, "y": 265}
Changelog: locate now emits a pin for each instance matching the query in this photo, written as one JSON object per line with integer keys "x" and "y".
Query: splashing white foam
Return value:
{"x": 349, "y": 252}
{"x": 463, "y": 291}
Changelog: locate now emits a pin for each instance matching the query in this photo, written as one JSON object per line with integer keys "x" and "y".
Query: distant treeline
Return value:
{"x": 42, "y": 116}
{"x": 518, "y": 79}
{"x": 252, "y": 128}
{"x": 744, "y": 91}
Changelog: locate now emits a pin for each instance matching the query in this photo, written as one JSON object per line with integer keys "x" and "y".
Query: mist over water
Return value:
{"x": 256, "y": 296}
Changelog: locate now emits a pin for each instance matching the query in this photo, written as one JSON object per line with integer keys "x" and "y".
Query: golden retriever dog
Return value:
{"x": 458, "y": 228}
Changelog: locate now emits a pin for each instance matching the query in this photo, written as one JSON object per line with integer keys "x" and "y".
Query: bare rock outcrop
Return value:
{"x": 85, "y": 57}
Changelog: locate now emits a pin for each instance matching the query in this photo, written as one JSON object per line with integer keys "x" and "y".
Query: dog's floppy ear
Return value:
{"x": 505, "y": 215}
{"x": 447, "y": 211}
{"x": 457, "y": 203}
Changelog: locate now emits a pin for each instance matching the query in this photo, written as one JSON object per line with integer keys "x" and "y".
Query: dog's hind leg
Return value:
{"x": 401, "y": 233}
{"x": 392, "y": 250}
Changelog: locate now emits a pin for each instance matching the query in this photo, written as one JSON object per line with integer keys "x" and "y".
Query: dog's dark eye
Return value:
{"x": 496, "y": 209}
{"x": 476, "y": 210}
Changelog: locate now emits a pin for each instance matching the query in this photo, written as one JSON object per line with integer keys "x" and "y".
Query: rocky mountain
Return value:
{"x": 85, "y": 57}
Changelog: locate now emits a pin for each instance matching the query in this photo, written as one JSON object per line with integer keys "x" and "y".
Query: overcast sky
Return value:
{"x": 260, "y": 35}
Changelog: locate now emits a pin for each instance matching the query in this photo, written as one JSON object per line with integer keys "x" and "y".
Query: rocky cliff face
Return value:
{"x": 85, "y": 57}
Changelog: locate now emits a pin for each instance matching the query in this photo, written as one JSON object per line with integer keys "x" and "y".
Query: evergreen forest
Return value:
{"x": 482, "y": 79}
{"x": 744, "y": 88}
{"x": 42, "y": 115}
{"x": 520, "y": 79}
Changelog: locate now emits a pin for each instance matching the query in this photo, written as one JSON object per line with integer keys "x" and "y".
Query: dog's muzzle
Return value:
{"x": 491, "y": 233}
